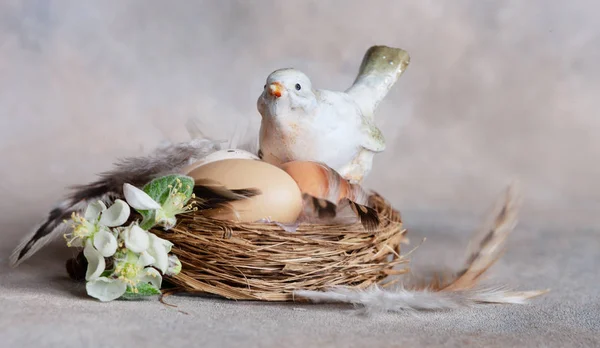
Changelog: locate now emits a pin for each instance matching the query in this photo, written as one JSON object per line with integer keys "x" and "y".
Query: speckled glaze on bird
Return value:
{"x": 300, "y": 123}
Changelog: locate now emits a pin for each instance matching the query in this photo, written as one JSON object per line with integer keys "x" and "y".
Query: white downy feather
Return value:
{"x": 376, "y": 299}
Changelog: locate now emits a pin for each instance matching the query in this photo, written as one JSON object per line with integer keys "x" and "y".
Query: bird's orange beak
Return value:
{"x": 275, "y": 89}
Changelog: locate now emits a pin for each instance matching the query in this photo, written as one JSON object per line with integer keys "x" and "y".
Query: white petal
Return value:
{"x": 168, "y": 223}
{"x": 174, "y": 266}
{"x": 136, "y": 239}
{"x": 105, "y": 242}
{"x": 95, "y": 261}
{"x": 145, "y": 259}
{"x": 161, "y": 260}
{"x": 93, "y": 210}
{"x": 152, "y": 276}
{"x": 165, "y": 243}
{"x": 105, "y": 289}
{"x": 116, "y": 215}
{"x": 159, "y": 251}
{"x": 139, "y": 199}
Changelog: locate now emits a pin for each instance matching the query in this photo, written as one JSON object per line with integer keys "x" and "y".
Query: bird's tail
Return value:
{"x": 380, "y": 69}
{"x": 136, "y": 171}
{"x": 443, "y": 290}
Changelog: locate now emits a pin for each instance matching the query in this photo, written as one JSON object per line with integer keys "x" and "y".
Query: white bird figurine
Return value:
{"x": 334, "y": 128}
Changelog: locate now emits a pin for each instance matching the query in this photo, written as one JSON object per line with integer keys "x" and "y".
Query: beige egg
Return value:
{"x": 280, "y": 199}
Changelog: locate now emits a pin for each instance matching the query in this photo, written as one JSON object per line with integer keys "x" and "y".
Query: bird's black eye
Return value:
{"x": 298, "y": 87}
{"x": 265, "y": 86}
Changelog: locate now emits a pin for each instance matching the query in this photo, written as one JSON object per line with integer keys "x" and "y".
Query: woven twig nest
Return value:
{"x": 259, "y": 261}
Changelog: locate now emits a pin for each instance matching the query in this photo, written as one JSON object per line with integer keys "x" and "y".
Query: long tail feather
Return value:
{"x": 136, "y": 171}
{"x": 445, "y": 290}
{"x": 488, "y": 244}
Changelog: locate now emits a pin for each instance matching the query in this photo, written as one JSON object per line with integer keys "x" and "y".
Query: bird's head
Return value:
{"x": 286, "y": 90}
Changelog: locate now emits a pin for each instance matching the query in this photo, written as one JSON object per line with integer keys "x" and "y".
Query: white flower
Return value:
{"x": 93, "y": 210}
{"x": 135, "y": 252}
{"x": 106, "y": 289}
{"x": 116, "y": 215}
{"x": 136, "y": 239}
{"x": 159, "y": 249}
{"x": 151, "y": 275}
{"x": 174, "y": 266}
{"x": 96, "y": 217}
{"x": 105, "y": 242}
{"x": 145, "y": 259}
{"x": 93, "y": 230}
{"x": 164, "y": 214}
{"x": 139, "y": 199}
{"x": 130, "y": 272}
{"x": 96, "y": 264}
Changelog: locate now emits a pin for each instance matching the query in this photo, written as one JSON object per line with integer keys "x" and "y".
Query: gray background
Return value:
{"x": 496, "y": 90}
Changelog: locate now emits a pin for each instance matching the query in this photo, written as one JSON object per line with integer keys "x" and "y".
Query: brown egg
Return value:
{"x": 280, "y": 198}
{"x": 318, "y": 180}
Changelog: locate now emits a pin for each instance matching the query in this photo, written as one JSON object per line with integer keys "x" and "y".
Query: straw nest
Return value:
{"x": 257, "y": 261}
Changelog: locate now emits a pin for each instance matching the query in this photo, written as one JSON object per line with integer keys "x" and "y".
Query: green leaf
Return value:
{"x": 159, "y": 190}
{"x": 144, "y": 290}
{"x": 107, "y": 273}
{"x": 149, "y": 221}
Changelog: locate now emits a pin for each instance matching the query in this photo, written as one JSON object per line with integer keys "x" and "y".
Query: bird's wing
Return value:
{"x": 380, "y": 69}
{"x": 337, "y": 108}
{"x": 372, "y": 138}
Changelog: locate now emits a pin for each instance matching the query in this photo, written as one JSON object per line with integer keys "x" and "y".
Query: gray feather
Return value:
{"x": 136, "y": 171}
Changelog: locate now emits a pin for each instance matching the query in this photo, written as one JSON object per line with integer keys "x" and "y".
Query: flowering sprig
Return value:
{"x": 161, "y": 200}
{"x": 129, "y": 261}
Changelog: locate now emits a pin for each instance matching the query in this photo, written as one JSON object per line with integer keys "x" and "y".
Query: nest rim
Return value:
{"x": 262, "y": 261}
